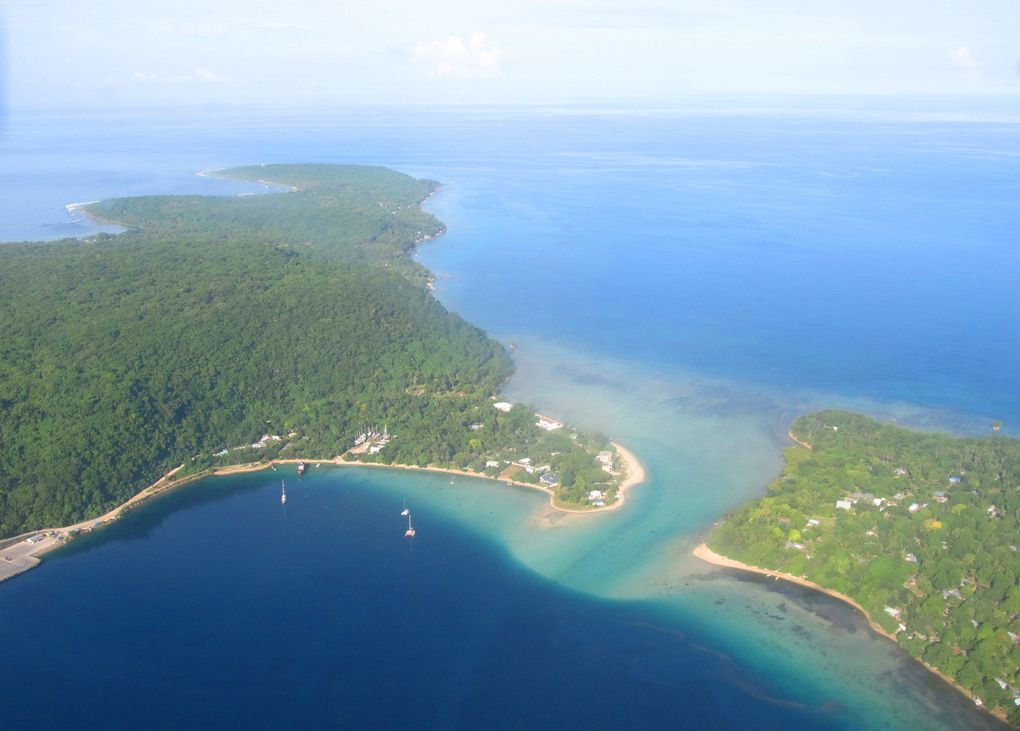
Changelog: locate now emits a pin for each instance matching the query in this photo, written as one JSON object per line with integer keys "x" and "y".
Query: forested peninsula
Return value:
{"x": 921, "y": 529}
{"x": 221, "y": 330}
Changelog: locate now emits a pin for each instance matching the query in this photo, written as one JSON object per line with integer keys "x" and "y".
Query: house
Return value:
{"x": 492, "y": 463}
{"x": 502, "y": 406}
{"x": 899, "y": 472}
{"x": 605, "y": 458}
{"x": 913, "y": 507}
{"x": 544, "y": 422}
{"x": 595, "y": 495}
{"x": 910, "y": 557}
{"x": 475, "y": 427}
{"x": 954, "y": 480}
{"x": 892, "y": 612}
{"x": 813, "y": 522}
{"x": 844, "y": 504}
{"x": 266, "y": 438}
{"x": 941, "y": 497}
{"x": 549, "y": 479}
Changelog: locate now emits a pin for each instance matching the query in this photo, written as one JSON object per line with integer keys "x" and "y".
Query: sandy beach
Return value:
{"x": 709, "y": 556}
{"x": 22, "y": 555}
{"x": 798, "y": 441}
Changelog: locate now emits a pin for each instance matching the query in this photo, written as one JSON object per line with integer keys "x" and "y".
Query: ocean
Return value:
{"x": 685, "y": 281}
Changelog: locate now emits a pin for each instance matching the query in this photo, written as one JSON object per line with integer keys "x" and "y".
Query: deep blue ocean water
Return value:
{"x": 686, "y": 283}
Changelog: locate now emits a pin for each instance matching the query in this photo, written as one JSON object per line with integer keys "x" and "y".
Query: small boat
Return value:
{"x": 300, "y": 469}
{"x": 409, "y": 533}
{"x": 405, "y": 512}
{"x": 283, "y": 493}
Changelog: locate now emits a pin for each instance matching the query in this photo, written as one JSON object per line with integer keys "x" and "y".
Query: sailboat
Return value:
{"x": 405, "y": 512}
{"x": 283, "y": 493}
{"x": 410, "y": 528}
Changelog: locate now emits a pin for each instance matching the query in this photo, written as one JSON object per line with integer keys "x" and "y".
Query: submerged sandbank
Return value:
{"x": 29, "y": 556}
{"x": 706, "y": 554}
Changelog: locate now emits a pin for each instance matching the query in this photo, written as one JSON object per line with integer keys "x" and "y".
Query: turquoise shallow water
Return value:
{"x": 685, "y": 284}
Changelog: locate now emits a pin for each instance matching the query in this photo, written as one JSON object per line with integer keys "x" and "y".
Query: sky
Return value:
{"x": 337, "y": 52}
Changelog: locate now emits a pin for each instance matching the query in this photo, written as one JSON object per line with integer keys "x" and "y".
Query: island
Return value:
{"x": 223, "y": 333}
{"x": 920, "y": 531}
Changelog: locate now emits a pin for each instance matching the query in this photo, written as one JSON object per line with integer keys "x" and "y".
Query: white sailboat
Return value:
{"x": 405, "y": 512}
{"x": 283, "y": 493}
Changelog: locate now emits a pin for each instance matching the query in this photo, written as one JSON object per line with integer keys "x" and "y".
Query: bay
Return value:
{"x": 685, "y": 281}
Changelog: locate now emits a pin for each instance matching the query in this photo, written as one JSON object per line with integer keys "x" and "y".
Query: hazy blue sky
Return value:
{"x": 139, "y": 52}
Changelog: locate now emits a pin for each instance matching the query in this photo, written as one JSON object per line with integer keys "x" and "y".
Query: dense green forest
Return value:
{"x": 215, "y": 320}
{"x": 922, "y": 529}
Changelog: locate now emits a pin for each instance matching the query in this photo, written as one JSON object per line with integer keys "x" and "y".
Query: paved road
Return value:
{"x": 21, "y": 556}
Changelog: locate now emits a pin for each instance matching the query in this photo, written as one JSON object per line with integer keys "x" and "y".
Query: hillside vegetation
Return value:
{"x": 922, "y": 529}
{"x": 214, "y": 321}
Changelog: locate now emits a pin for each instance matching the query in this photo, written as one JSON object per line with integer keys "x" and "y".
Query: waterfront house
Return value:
{"x": 544, "y": 422}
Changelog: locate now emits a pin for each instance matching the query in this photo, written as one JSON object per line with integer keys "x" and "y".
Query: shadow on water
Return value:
{"x": 140, "y": 523}
{"x": 907, "y": 678}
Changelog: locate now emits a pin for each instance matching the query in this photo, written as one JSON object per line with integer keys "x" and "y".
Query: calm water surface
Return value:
{"x": 685, "y": 283}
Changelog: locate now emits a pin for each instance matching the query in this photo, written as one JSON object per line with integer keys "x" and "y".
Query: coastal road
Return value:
{"x": 22, "y": 555}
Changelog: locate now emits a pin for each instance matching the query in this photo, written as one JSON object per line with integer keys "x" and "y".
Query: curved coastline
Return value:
{"x": 707, "y": 555}
{"x": 53, "y": 538}
{"x": 56, "y": 537}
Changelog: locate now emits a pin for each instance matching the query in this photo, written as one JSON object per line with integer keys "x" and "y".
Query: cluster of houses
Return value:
{"x": 266, "y": 439}
{"x": 263, "y": 441}
{"x": 547, "y": 477}
{"x": 544, "y": 422}
{"x": 854, "y": 498}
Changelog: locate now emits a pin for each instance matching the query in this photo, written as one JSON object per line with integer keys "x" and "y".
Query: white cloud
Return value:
{"x": 200, "y": 75}
{"x": 456, "y": 57}
{"x": 962, "y": 57}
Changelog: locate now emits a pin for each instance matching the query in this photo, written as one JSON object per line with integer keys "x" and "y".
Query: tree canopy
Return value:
{"x": 922, "y": 529}
{"x": 215, "y": 320}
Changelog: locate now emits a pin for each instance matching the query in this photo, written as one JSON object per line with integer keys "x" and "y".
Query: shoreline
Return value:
{"x": 212, "y": 174}
{"x": 706, "y": 554}
{"x": 56, "y": 537}
{"x": 789, "y": 433}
